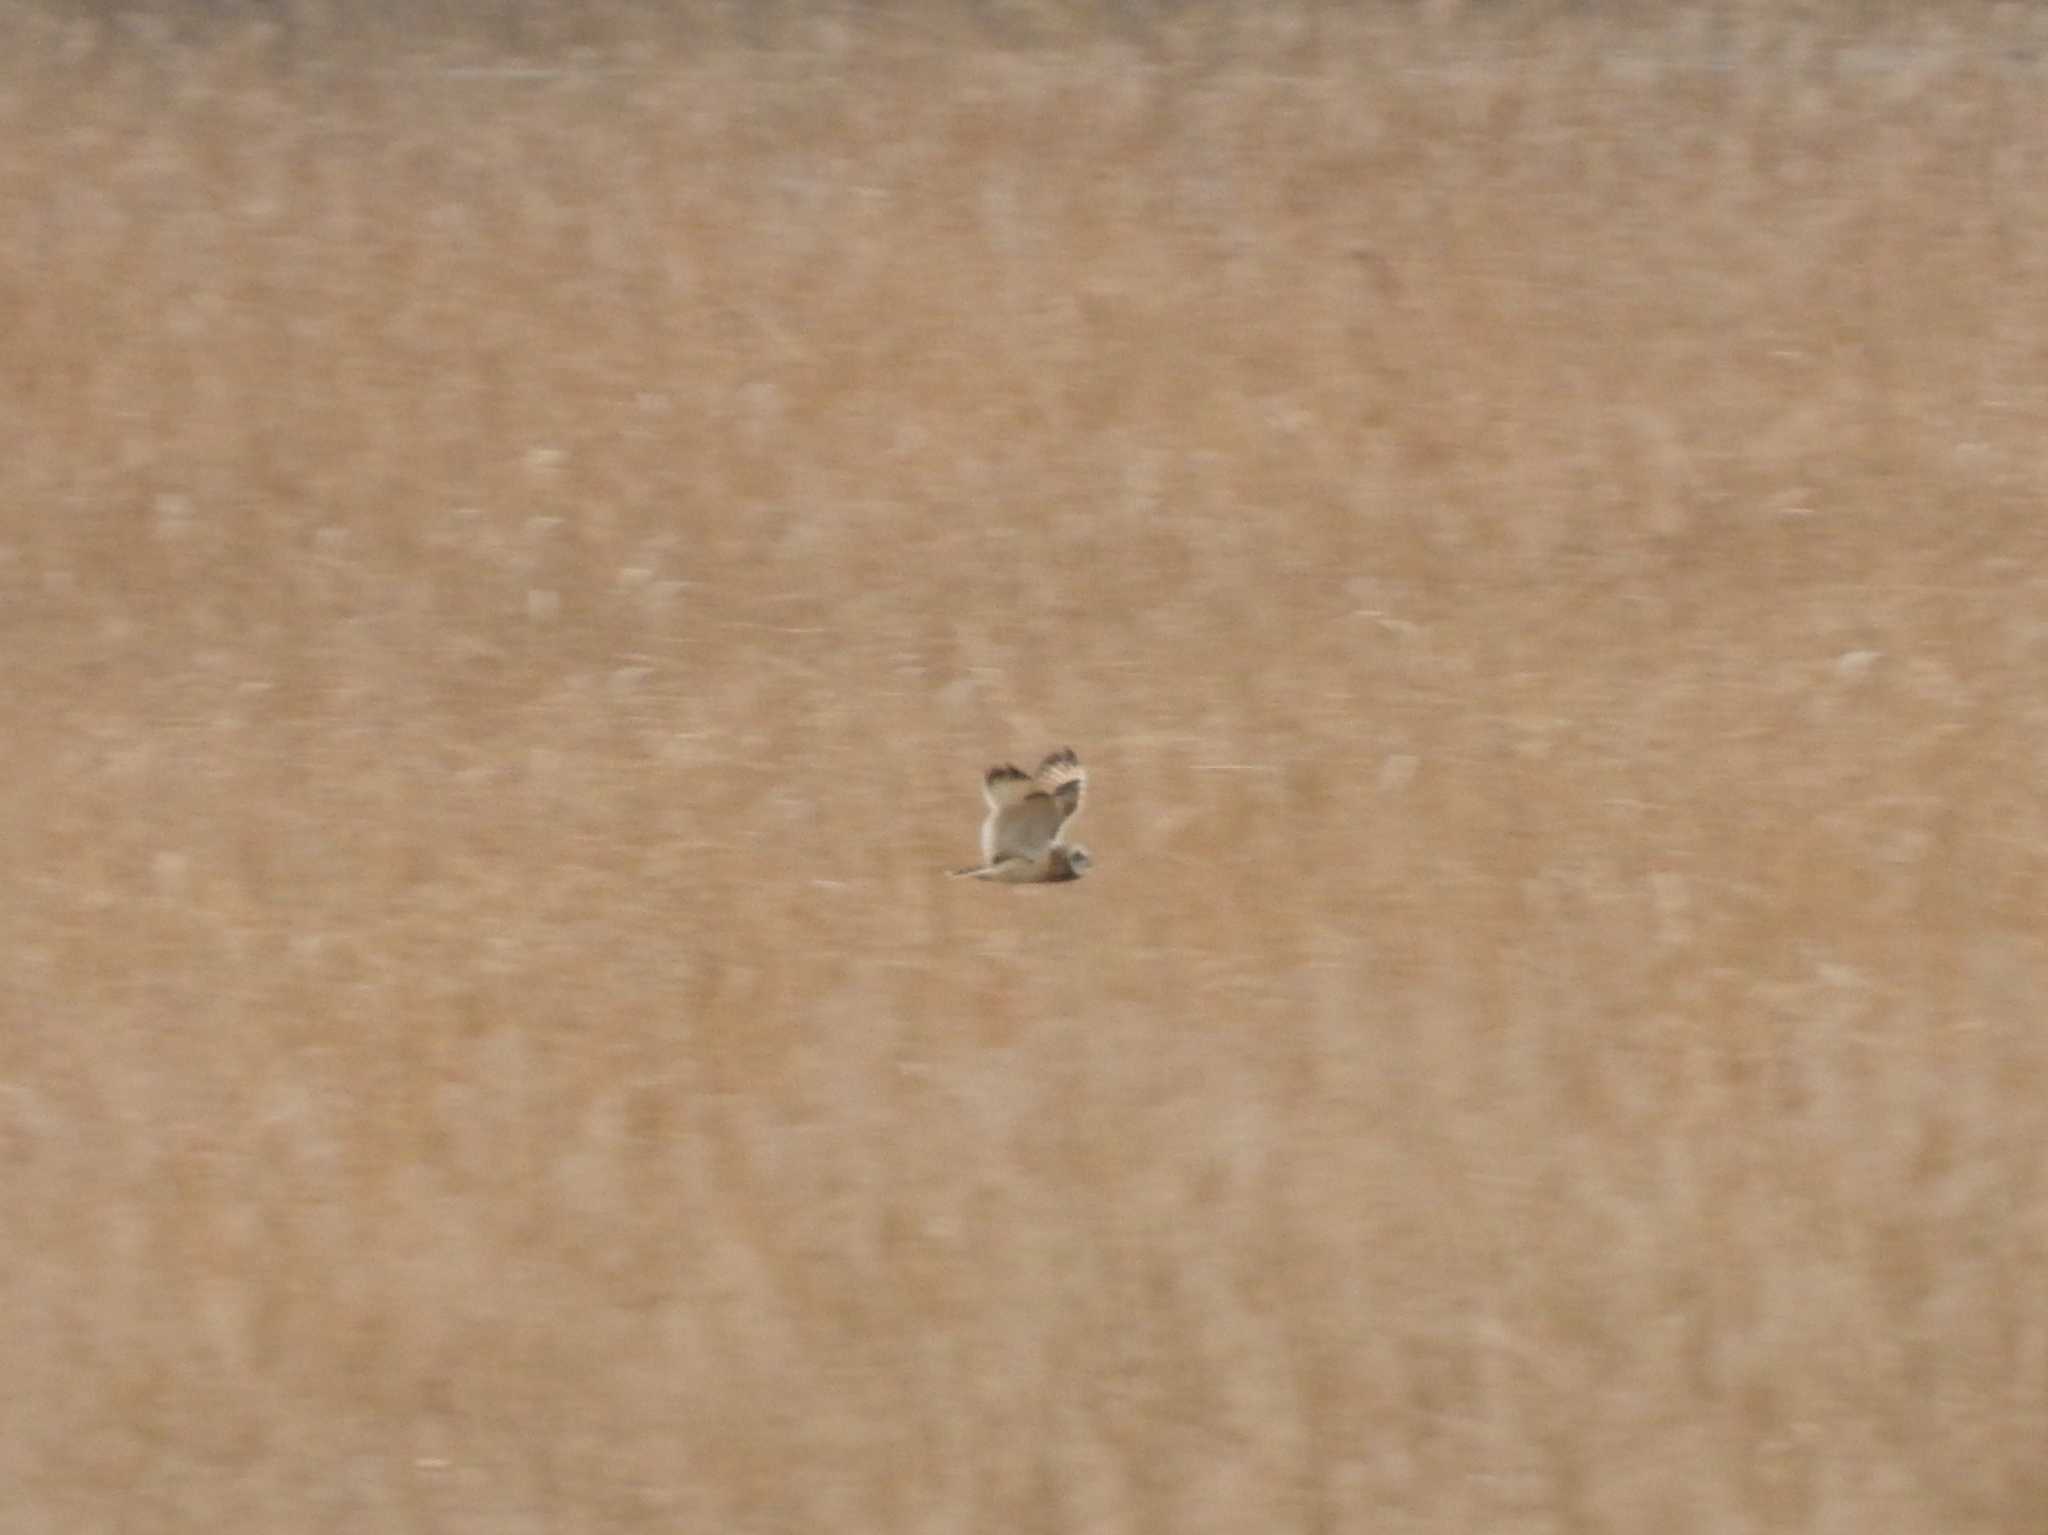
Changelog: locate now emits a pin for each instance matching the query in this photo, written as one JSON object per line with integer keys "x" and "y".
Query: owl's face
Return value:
{"x": 1077, "y": 861}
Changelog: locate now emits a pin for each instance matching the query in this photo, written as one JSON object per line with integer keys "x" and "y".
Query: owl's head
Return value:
{"x": 1071, "y": 862}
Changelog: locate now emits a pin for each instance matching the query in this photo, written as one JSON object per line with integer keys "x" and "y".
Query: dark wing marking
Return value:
{"x": 1005, "y": 785}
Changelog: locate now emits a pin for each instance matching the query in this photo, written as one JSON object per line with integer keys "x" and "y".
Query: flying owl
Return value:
{"x": 1020, "y": 840}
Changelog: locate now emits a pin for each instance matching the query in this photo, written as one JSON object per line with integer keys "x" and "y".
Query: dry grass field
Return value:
{"x": 517, "y": 539}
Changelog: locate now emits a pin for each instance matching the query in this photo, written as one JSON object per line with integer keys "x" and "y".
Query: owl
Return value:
{"x": 1020, "y": 840}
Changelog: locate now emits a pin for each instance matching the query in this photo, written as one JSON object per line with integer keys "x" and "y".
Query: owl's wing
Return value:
{"x": 1025, "y": 829}
{"x": 1004, "y": 785}
{"x": 1064, "y": 780}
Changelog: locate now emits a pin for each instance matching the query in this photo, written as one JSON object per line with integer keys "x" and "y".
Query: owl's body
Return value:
{"x": 1020, "y": 840}
{"x": 1058, "y": 865}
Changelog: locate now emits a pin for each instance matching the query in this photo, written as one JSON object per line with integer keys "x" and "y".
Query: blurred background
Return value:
{"x": 521, "y": 527}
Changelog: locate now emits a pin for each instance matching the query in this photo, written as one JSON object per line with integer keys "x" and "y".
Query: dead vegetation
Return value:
{"x": 514, "y": 550}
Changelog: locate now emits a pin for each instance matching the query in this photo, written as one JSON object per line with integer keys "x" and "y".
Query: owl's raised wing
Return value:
{"x": 1025, "y": 829}
{"x": 1004, "y": 785}
{"x": 1064, "y": 780}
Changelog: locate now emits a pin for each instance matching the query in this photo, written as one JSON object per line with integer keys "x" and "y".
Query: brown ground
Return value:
{"x": 508, "y": 580}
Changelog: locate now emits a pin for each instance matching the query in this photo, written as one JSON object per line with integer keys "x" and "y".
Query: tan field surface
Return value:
{"x": 519, "y": 536}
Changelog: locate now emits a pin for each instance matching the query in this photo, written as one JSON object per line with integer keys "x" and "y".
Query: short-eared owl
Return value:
{"x": 1020, "y": 840}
